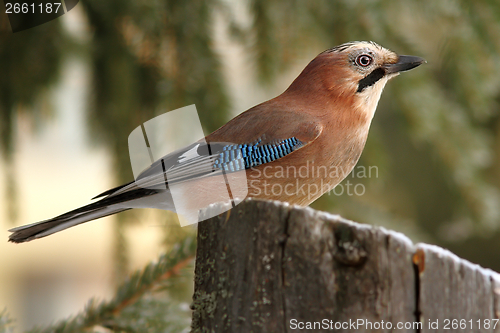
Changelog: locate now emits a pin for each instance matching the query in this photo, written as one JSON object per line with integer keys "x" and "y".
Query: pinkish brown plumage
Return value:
{"x": 298, "y": 145}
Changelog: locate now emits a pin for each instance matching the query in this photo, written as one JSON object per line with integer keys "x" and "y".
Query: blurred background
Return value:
{"x": 73, "y": 89}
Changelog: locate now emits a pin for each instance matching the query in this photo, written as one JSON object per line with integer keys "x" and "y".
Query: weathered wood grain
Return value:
{"x": 341, "y": 271}
{"x": 238, "y": 275}
{"x": 455, "y": 295}
{"x": 269, "y": 267}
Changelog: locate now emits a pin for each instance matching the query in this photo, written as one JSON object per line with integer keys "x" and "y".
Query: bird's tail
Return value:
{"x": 112, "y": 204}
{"x": 41, "y": 229}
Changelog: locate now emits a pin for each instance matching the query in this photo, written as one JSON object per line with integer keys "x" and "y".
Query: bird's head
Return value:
{"x": 354, "y": 73}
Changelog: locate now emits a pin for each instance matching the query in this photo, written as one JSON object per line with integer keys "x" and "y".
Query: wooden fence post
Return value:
{"x": 270, "y": 267}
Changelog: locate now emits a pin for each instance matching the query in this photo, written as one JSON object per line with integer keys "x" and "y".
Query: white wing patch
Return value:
{"x": 191, "y": 153}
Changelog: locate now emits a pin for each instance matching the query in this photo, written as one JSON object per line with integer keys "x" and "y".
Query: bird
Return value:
{"x": 292, "y": 148}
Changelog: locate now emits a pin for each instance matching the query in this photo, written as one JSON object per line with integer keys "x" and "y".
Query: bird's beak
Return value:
{"x": 405, "y": 63}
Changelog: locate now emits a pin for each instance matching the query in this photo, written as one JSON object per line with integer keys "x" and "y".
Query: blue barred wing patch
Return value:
{"x": 239, "y": 157}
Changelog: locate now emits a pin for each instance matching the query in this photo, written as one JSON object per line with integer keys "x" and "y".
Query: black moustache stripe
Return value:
{"x": 370, "y": 79}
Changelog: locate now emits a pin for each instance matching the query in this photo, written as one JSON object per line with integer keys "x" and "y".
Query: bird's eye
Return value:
{"x": 364, "y": 60}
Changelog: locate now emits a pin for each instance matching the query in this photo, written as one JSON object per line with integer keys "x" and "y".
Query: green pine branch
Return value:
{"x": 136, "y": 306}
{"x": 6, "y": 323}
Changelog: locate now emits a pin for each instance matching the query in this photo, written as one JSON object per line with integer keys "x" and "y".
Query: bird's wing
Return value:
{"x": 250, "y": 140}
{"x": 247, "y": 141}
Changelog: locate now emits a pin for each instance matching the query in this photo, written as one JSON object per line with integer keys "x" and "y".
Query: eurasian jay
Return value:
{"x": 292, "y": 148}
